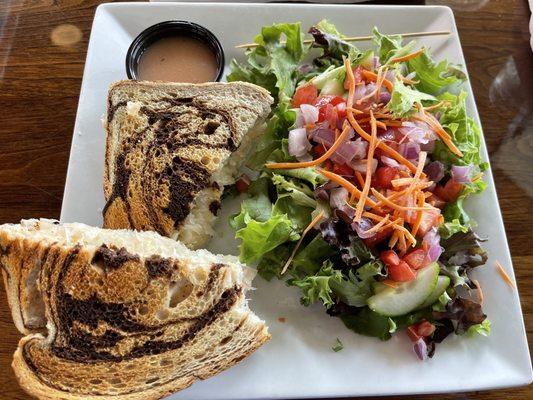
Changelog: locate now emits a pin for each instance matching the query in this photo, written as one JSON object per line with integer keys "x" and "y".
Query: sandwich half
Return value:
{"x": 118, "y": 314}
{"x": 171, "y": 148}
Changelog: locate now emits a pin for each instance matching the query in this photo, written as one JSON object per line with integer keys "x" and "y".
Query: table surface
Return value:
{"x": 43, "y": 44}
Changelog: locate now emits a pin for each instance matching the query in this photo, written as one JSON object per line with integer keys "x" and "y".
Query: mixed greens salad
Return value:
{"x": 359, "y": 182}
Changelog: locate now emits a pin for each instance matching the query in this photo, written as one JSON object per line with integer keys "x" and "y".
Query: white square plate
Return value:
{"x": 298, "y": 361}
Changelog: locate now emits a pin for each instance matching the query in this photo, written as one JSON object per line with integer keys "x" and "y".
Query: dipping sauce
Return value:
{"x": 178, "y": 59}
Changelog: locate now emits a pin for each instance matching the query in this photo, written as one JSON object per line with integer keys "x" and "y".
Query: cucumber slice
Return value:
{"x": 332, "y": 87}
{"x": 378, "y": 287}
{"x": 407, "y": 296}
{"x": 442, "y": 284}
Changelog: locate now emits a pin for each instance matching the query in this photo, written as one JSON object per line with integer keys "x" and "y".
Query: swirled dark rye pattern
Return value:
{"x": 166, "y": 147}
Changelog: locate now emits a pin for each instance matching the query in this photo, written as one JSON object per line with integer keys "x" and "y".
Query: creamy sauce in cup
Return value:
{"x": 178, "y": 59}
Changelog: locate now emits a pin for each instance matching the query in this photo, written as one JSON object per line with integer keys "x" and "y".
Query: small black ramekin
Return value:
{"x": 172, "y": 28}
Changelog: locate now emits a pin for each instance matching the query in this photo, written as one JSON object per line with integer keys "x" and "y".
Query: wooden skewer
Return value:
{"x": 362, "y": 38}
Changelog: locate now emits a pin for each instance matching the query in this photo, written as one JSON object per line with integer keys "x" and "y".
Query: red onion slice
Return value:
{"x": 390, "y": 162}
{"x": 435, "y": 171}
{"x": 299, "y": 145}
{"x": 338, "y": 197}
{"x": 309, "y": 113}
{"x": 421, "y": 349}
{"x": 360, "y": 165}
{"x": 462, "y": 174}
{"x": 362, "y": 228}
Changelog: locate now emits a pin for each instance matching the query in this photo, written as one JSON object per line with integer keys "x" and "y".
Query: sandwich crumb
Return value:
{"x": 282, "y": 319}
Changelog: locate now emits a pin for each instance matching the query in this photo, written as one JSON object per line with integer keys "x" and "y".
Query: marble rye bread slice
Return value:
{"x": 171, "y": 148}
{"x": 118, "y": 314}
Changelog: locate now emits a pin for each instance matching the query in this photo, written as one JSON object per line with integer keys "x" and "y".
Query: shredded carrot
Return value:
{"x": 390, "y": 151}
{"x": 368, "y": 178}
{"x": 418, "y": 173}
{"x": 309, "y": 126}
{"x": 346, "y": 184}
{"x": 379, "y": 226}
{"x": 504, "y": 275}
{"x": 379, "y": 82}
{"x": 306, "y": 230}
{"x": 320, "y": 160}
{"x": 354, "y": 110}
{"x": 349, "y": 113}
{"x": 446, "y": 138}
{"x": 381, "y": 125}
{"x": 394, "y": 239}
{"x": 479, "y": 291}
{"x": 477, "y": 177}
{"x": 416, "y": 225}
{"x": 390, "y": 283}
{"x": 359, "y": 178}
{"x": 408, "y": 81}
{"x": 438, "y": 105}
{"x": 406, "y": 234}
{"x": 383, "y": 115}
{"x": 393, "y": 123}
{"x": 373, "y": 77}
{"x": 402, "y": 245}
{"x": 375, "y": 91}
{"x": 386, "y": 201}
{"x": 396, "y": 183}
{"x": 407, "y": 57}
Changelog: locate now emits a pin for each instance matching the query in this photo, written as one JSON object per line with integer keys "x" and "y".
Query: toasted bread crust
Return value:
{"x": 166, "y": 146}
{"x": 124, "y": 323}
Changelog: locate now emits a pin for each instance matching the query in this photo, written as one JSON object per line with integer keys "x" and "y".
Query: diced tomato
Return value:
{"x": 425, "y": 329}
{"x": 416, "y": 259}
{"x": 328, "y": 165}
{"x": 242, "y": 183}
{"x": 321, "y": 114}
{"x": 450, "y": 191}
{"x": 412, "y": 333}
{"x": 336, "y": 100}
{"x": 319, "y": 150}
{"x": 430, "y": 218}
{"x": 401, "y": 272}
{"x": 384, "y": 176}
{"x": 343, "y": 170}
{"x": 390, "y": 257}
{"x": 436, "y": 201}
{"x": 306, "y": 94}
{"x": 453, "y": 189}
{"x": 378, "y": 237}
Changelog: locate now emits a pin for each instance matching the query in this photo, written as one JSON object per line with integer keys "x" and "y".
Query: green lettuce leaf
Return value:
{"x": 390, "y": 46}
{"x": 256, "y": 207}
{"x": 404, "y": 98}
{"x": 259, "y": 238}
{"x": 338, "y": 346}
{"x": 272, "y": 262}
{"x": 367, "y": 322}
{"x": 351, "y": 291}
{"x": 278, "y": 126}
{"x": 482, "y": 329}
{"x": 310, "y": 258}
{"x": 464, "y": 131}
{"x": 317, "y": 287}
{"x": 273, "y": 64}
{"x": 456, "y": 219}
{"x": 332, "y": 45}
{"x": 434, "y": 78}
{"x": 308, "y": 174}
